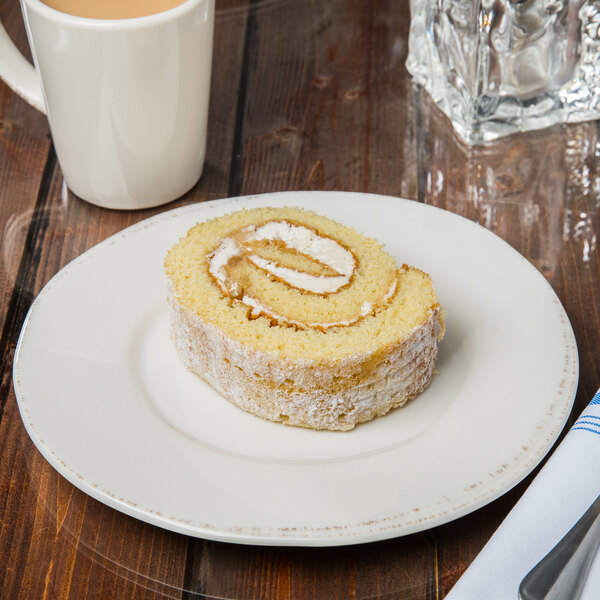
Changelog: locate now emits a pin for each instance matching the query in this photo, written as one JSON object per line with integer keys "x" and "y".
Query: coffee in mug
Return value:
{"x": 112, "y": 9}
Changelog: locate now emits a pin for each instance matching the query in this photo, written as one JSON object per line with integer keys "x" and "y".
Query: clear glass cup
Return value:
{"x": 500, "y": 66}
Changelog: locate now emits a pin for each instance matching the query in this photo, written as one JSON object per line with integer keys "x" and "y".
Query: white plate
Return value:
{"x": 106, "y": 401}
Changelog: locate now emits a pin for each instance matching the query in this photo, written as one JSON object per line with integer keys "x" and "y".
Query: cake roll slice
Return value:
{"x": 298, "y": 319}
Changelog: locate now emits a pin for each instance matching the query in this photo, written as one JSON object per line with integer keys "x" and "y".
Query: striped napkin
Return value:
{"x": 560, "y": 494}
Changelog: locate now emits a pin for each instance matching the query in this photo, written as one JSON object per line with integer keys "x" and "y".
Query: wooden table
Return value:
{"x": 305, "y": 95}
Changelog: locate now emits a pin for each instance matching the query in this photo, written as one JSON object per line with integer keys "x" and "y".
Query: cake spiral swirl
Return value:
{"x": 325, "y": 267}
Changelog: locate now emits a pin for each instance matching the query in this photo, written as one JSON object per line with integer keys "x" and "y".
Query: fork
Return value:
{"x": 561, "y": 574}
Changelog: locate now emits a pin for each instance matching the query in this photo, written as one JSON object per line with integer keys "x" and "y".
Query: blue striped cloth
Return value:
{"x": 562, "y": 491}
{"x": 589, "y": 420}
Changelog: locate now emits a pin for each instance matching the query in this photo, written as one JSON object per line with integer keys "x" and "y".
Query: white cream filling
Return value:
{"x": 219, "y": 259}
{"x": 306, "y": 241}
{"x": 257, "y": 309}
{"x": 300, "y": 279}
{"x": 296, "y": 237}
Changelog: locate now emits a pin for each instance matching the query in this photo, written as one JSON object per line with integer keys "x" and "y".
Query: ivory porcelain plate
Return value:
{"x": 106, "y": 401}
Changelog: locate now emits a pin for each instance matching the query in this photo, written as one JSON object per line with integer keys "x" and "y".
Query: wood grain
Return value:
{"x": 311, "y": 120}
{"x": 305, "y": 95}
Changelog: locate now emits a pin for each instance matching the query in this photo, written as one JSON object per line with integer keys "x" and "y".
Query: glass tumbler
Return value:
{"x": 496, "y": 67}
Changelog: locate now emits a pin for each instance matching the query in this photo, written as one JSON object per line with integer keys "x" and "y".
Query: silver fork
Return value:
{"x": 561, "y": 574}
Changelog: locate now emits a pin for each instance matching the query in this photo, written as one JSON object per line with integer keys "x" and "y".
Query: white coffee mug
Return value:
{"x": 126, "y": 99}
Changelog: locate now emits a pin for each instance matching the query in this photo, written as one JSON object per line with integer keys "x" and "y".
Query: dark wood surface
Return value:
{"x": 305, "y": 95}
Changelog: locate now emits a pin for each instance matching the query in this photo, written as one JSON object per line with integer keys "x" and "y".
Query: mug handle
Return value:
{"x": 19, "y": 74}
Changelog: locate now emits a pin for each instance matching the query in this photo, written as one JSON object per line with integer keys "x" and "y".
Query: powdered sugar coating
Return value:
{"x": 333, "y": 395}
